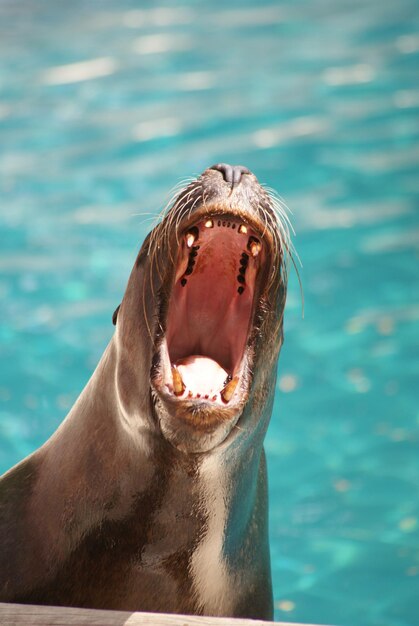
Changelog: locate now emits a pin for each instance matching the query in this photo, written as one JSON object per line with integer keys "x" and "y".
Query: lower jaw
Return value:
{"x": 195, "y": 429}
{"x": 197, "y": 425}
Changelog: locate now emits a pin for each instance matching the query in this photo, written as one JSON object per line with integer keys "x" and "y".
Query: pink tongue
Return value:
{"x": 201, "y": 375}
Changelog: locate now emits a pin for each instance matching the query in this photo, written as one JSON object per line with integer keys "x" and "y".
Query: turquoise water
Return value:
{"x": 321, "y": 100}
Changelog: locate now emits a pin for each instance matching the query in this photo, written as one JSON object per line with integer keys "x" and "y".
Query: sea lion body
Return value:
{"x": 133, "y": 503}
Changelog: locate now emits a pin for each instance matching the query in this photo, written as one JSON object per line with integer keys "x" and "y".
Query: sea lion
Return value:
{"x": 152, "y": 493}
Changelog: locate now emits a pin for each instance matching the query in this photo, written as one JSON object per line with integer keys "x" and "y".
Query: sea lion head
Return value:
{"x": 200, "y": 327}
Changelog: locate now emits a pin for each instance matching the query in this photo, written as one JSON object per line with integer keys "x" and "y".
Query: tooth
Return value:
{"x": 209, "y": 224}
{"x": 178, "y": 384}
{"x": 190, "y": 238}
{"x": 255, "y": 248}
{"x": 229, "y": 389}
{"x": 191, "y": 235}
{"x": 242, "y": 229}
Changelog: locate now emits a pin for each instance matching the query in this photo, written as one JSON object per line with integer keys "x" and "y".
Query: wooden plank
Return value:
{"x": 27, "y": 614}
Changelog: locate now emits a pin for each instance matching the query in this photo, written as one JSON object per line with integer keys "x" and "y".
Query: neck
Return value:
{"x": 170, "y": 507}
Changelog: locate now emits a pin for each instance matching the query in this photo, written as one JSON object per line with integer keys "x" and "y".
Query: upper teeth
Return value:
{"x": 190, "y": 238}
{"x": 255, "y": 248}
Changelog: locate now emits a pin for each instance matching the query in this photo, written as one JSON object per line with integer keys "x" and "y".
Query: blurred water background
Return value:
{"x": 104, "y": 107}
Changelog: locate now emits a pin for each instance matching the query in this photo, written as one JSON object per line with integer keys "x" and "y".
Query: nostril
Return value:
{"x": 232, "y": 174}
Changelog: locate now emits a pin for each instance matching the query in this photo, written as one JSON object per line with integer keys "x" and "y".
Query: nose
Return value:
{"x": 232, "y": 174}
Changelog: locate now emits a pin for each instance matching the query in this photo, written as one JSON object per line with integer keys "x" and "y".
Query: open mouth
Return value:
{"x": 211, "y": 310}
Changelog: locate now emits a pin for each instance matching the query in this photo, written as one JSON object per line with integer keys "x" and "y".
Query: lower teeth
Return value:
{"x": 197, "y": 376}
{"x": 229, "y": 389}
{"x": 178, "y": 384}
